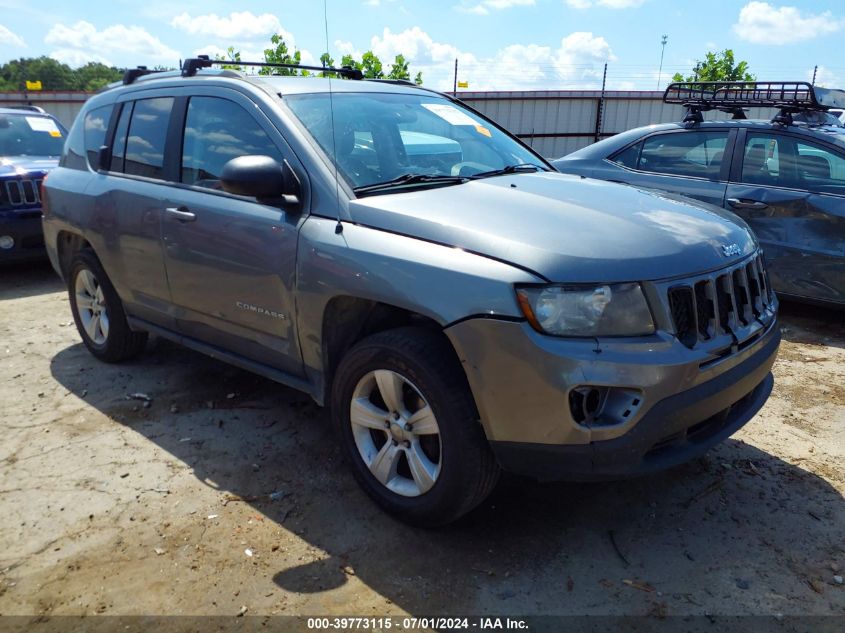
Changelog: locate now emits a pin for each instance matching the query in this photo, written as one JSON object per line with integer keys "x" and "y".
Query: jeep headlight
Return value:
{"x": 605, "y": 310}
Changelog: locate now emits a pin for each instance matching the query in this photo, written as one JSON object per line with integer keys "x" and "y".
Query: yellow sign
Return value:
{"x": 33, "y": 85}
{"x": 463, "y": 84}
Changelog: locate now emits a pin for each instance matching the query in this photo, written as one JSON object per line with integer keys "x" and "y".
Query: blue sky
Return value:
{"x": 500, "y": 44}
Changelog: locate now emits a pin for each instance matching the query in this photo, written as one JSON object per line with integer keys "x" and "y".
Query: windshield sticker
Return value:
{"x": 483, "y": 130}
{"x": 43, "y": 124}
{"x": 450, "y": 114}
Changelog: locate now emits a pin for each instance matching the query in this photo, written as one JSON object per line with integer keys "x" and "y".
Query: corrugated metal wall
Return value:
{"x": 62, "y": 105}
{"x": 554, "y": 123}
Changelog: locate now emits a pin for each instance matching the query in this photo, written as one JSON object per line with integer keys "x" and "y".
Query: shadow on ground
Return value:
{"x": 28, "y": 279}
{"x": 740, "y": 528}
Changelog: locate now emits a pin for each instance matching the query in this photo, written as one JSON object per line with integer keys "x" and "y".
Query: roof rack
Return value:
{"x": 192, "y": 65}
{"x": 733, "y": 96}
{"x": 131, "y": 74}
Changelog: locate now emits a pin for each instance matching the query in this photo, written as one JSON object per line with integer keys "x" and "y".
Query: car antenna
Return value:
{"x": 338, "y": 229}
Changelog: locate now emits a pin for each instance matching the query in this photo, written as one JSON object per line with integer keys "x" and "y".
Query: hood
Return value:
{"x": 21, "y": 165}
{"x": 567, "y": 228}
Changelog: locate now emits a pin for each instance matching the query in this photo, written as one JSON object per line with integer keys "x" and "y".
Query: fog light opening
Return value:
{"x": 585, "y": 404}
{"x": 7, "y": 242}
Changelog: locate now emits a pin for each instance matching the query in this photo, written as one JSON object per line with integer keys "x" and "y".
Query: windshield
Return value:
{"x": 30, "y": 135}
{"x": 380, "y": 137}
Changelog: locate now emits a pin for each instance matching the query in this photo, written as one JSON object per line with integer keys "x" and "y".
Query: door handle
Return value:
{"x": 181, "y": 213}
{"x": 736, "y": 203}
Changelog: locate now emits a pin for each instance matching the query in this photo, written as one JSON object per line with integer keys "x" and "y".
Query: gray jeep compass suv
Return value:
{"x": 461, "y": 306}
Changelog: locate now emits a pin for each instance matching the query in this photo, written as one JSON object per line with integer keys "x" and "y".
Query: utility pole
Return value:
{"x": 815, "y": 70}
{"x": 455, "y": 83}
{"x": 663, "y": 41}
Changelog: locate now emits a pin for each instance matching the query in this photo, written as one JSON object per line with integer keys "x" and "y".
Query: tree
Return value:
{"x": 718, "y": 67}
{"x": 373, "y": 68}
{"x": 231, "y": 56}
{"x": 52, "y": 74}
{"x": 280, "y": 54}
{"x": 94, "y": 75}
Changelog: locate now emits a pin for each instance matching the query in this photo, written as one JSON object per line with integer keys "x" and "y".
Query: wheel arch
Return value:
{"x": 68, "y": 244}
{"x": 348, "y": 319}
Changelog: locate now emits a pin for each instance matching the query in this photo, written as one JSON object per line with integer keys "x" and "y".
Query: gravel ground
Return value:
{"x": 226, "y": 491}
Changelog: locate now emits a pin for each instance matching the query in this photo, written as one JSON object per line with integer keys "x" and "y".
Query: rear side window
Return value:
{"x": 820, "y": 169}
{"x": 146, "y": 137}
{"x": 697, "y": 154}
{"x": 118, "y": 152}
{"x": 216, "y": 131}
{"x": 96, "y": 125}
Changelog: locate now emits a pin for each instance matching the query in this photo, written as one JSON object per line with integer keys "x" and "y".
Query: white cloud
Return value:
{"x": 243, "y": 25}
{"x": 824, "y": 77}
{"x": 576, "y": 63}
{"x": 485, "y": 6}
{"x": 609, "y": 4}
{"x": 82, "y": 42}
{"x": 7, "y": 38}
{"x": 762, "y": 23}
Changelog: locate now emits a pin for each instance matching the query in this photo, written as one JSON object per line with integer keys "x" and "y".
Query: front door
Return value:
{"x": 231, "y": 260}
{"x": 791, "y": 191}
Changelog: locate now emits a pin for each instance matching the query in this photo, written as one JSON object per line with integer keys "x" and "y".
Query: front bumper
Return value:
{"x": 521, "y": 381}
{"x": 24, "y": 227}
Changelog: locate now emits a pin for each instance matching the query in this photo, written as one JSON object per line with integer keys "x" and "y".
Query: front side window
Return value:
{"x": 30, "y": 134}
{"x": 216, "y": 131}
{"x": 146, "y": 138}
{"x": 697, "y": 154}
{"x": 381, "y": 136}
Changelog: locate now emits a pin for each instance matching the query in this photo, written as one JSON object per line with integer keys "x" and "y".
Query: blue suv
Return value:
{"x": 31, "y": 143}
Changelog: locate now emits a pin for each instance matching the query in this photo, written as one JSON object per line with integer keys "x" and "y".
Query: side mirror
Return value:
{"x": 262, "y": 178}
{"x": 104, "y": 158}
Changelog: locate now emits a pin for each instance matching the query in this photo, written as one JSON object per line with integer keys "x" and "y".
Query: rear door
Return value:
{"x": 693, "y": 163}
{"x": 127, "y": 202}
{"x": 791, "y": 190}
{"x": 230, "y": 259}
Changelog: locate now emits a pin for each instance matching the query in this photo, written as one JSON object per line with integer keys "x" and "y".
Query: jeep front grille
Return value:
{"x": 20, "y": 192}
{"x": 721, "y": 303}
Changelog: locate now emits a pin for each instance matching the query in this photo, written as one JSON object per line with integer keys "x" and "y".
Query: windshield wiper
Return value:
{"x": 510, "y": 169}
{"x": 409, "y": 179}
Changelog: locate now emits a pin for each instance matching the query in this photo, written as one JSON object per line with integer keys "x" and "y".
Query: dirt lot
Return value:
{"x": 226, "y": 491}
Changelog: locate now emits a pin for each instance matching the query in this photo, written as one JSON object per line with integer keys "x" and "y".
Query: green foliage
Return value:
{"x": 231, "y": 56}
{"x": 373, "y": 68}
{"x": 279, "y": 54}
{"x": 718, "y": 67}
{"x": 55, "y": 75}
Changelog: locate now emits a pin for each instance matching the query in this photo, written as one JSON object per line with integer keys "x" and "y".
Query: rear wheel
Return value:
{"x": 98, "y": 311}
{"x": 407, "y": 423}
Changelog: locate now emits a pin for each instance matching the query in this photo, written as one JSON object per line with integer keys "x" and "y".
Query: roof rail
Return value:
{"x": 192, "y": 65}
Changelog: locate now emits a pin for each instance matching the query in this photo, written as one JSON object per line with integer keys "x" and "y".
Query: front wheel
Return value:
{"x": 408, "y": 424}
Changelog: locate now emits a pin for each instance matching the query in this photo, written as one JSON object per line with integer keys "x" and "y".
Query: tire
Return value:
{"x": 430, "y": 465}
{"x": 98, "y": 311}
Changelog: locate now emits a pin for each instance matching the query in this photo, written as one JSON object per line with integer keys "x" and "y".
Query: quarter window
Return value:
{"x": 697, "y": 154}
{"x": 216, "y": 131}
{"x": 96, "y": 125}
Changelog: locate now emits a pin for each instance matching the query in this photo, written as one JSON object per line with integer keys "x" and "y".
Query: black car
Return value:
{"x": 31, "y": 142}
{"x": 785, "y": 177}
